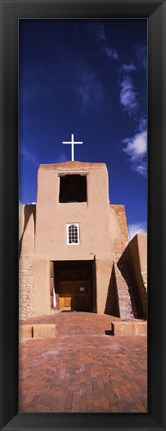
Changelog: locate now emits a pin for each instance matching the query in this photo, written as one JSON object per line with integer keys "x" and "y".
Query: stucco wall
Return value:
{"x": 27, "y": 228}
{"x": 53, "y": 216}
{"x": 137, "y": 260}
{"x": 103, "y": 277}
{"x": 138, "y": 253}
{"x": 41, "y": 295}
{"x": 112, "y": 301}
{"x": 122, "y": 221}
{"x": 118, "y": 230}
{"x": 25, "y": 286}
{"x": 103, "y": 236}
{"x": 115, "y": 235}
{"x": 26, "y": 245}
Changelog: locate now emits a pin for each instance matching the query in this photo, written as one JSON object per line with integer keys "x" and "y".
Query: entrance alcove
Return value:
{"x": 74, "y": 285}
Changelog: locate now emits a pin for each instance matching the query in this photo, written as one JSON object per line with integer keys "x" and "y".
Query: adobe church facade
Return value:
{"x": 75, "y": 253}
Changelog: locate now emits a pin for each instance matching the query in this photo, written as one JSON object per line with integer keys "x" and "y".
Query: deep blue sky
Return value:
{"x": 86, "y": 77}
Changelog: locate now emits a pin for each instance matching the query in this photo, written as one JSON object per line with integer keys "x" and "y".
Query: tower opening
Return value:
{"x": 73, "y": 188}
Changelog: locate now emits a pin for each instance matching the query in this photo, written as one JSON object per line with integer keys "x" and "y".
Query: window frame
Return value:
{"x": 78, "y": 233}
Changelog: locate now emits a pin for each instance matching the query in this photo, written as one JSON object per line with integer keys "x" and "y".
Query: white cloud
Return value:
{"x": 131, "y": 97}
{"x": 141, "y": 169}
{"x": 29, "y": 156}
{"x": 128, "y": 95}
{"x": 128, "y": 68}
{"x": 100, "y": 36}
{"x": 112, "y": 53}
{"x": 136, "y": 146}
{"x": 137, "y": 228}
{"x": 142, "y": 124}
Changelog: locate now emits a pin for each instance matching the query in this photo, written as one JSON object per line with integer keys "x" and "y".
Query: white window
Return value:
{"x": 73, "y": 234}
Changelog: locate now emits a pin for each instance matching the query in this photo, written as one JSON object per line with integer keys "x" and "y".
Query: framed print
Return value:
{"x": 73, "y": 272}
{"x": 78, "y": 279}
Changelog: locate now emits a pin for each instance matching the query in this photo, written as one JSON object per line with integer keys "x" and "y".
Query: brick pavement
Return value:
{"x": 83, "y": 369}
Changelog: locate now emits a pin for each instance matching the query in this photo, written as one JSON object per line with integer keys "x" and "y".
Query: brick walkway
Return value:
{"x": 83, "y": 369}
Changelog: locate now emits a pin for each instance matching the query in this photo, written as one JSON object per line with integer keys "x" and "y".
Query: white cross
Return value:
{"x": 72, "y": 145}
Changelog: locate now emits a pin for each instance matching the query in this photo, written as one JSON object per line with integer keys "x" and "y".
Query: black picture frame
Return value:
{"x": 155, "y": 13}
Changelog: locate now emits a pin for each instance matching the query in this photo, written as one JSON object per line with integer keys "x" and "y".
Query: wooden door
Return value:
{"x": 82, "y": 295}
{"x": 66, "y": 295}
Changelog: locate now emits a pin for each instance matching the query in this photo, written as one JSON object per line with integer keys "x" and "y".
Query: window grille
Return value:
{"x": 72, "y": 234}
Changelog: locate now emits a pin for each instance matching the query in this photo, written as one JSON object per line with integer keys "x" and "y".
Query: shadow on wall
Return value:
{"x": 129, "y": 265}
{"x": 28, "y": 211}
{"x": 112, "y": 306}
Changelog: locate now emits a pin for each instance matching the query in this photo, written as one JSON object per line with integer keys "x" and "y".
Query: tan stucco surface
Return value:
{"x": 137, "y": 258}
{"x": 103, "y": 275}
{"x": 41, "y": 300}
{"x": 138, "y": 252}
{"x": 103, "y": 237}
{"x": 27, "y": 228}
{"x": 53, "y": 216}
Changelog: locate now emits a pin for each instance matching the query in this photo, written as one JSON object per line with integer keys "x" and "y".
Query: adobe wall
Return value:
{"x": 103, "y": 236}
{"x": 25, "y": 286}
{"x": 52, "y": 216}
{"x": 118, "y": 230}
{"x": 41, "y": 289}
{"x": 121, "y": 218}
{"x": 136, "y": 255}
{"x": 103, "y": 275}
{"x": 27, "y": 228}
{"x": 26, "y": 244}
{"x": 112, "y": 301}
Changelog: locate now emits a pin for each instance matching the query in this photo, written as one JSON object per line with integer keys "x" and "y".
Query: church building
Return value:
{"x": 75, "y": 254}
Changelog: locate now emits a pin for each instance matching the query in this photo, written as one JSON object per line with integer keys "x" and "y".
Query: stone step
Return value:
{"x": 38, "y": 330}
{"x": 129, "y": 327}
